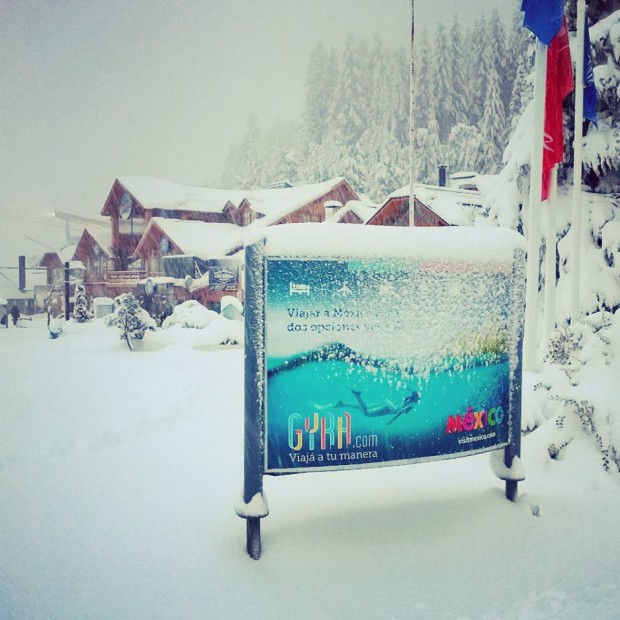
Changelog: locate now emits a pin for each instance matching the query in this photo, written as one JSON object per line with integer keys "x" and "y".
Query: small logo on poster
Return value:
{"x": 474, "y": 420}
{"x": 295, "y": 288}
{"x": 331, "y": 431}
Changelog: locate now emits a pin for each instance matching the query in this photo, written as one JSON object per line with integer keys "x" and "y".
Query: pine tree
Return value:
{"x": 349, "y": 107}
{"x": 130, "y": 318}
{"x": 492, "y": 127}
{"x": 380, "y": 145}
{"x": 435, "y": 149}
{"x": 315, "y": 167}
{"x": 321, "y": 77}
{"x": 460, "y": 88}
{"x": 523, "y": 89}
{"x": 427, "y": 153}
{"x": 463, "y": 148}
{"x": 81, "y": 313}
{"x": 476, "y": 77}
{"x": 423, "y": 93}
{"x": 519, "y": 65}
{"x": 442, "y": 85}
{"x": 498, "y": 57}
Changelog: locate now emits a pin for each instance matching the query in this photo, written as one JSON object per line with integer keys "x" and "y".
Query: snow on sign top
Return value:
{"x": 460, "y": 244}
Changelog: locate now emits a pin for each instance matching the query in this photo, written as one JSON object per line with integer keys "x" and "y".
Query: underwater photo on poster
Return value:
{"x": 384, "y": 361}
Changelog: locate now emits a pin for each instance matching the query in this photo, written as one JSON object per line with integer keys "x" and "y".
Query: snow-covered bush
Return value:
{"x": 130, "y": 318}
{"x": 579, "y": 384}
{"x": 81, "y": 313}
{"x": 225, "y": 331}
{"x": 190, "y": 314}
{"x": 564, "y": 342}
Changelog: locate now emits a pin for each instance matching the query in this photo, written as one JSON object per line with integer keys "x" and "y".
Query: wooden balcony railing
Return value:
{"x": 124, "y": 277}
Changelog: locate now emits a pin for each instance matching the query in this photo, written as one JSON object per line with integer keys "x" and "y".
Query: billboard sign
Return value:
{"x": 370, "y": 346}
{"x": 384, "y": 361}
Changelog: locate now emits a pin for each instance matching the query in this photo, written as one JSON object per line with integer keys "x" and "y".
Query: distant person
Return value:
{"x": 15, "y": 314}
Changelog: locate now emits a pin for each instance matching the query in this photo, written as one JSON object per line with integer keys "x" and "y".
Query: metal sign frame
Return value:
{"x": 260, "y": 369}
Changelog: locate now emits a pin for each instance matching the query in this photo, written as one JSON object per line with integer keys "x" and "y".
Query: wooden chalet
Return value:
{"x": 54, "y": 262}
{"x": 434, "y": 206}
{"x": 93, "y": 250}
{"x": 395, "y": 212}
{"x": 148, "y": 215}
{"x": 174, "y": 250}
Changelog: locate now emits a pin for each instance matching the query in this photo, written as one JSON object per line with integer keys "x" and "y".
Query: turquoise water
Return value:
{"x": 411, "y": 411}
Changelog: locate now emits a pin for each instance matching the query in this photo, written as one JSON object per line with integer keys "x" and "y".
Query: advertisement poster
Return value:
{"x": 385, "y": 361}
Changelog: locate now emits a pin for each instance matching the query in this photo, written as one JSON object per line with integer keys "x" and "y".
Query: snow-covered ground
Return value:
{"x": 119, "y": 472}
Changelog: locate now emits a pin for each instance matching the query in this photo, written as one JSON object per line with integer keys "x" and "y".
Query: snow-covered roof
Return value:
{"x": 65, "y": 252}
{"x": 363, "y": 210}
{"x": 274, "y": 203}
{"x": 103, "y": 237}
{"x": 461, "y": 244}
{"x": 9, "y": 288}
{"x": 456, "y": 206}
{"x": 200, "y": 239}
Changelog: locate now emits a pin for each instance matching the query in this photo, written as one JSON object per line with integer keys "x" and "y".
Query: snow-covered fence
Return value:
{"x": 378, "y": 346}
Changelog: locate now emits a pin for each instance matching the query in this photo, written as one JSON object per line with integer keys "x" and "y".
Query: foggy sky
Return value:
{"x": 91, "y": 90}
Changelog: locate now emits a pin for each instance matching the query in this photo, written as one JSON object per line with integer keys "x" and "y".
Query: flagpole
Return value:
{"x": 530, "y": 343}
{"x": 577, "y": 165}
{"x": 411, "y": 120}
{"x": 550, "y": 255}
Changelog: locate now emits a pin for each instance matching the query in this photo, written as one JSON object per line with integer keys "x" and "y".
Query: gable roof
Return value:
{"x": 200, "y": 239}
{"x": 9, "y": 288}
{"x": 458, "y": 207}
{"x": 363, "y": 210}
{"x": 274, "y": 203}
{"x": 101, "y": 236}
{"x": 63, "y": 254}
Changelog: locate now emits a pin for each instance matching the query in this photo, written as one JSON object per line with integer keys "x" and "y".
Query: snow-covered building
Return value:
{"x": 155, "y": 218}
{"x": 54, "y": 261}
{"x": 434, "y": 206}
{"x": 19, "y": 287}
{"x": 174, "y": 249}
{"x": 94, "y": 251}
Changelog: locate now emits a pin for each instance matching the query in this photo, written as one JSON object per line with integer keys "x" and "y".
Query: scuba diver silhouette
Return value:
{"x": 384, "y": 408}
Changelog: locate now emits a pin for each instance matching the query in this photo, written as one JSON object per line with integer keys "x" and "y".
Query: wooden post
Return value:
{"x": 67, "y": 293}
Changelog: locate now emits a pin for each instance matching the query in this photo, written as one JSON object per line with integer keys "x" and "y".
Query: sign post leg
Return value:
{"x": 253, "y": 537}
{"x": 253, "y": 505}
{"x": 511, "y": 490}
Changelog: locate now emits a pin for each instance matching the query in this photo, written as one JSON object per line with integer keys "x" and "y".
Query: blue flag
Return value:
{"x": 543, "y": 17}
{"x": 589, "y": 88}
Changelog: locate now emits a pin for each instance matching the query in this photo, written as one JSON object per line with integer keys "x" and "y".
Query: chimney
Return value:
{"x": 22, "y": 273}
{"x": 442, "y": 176}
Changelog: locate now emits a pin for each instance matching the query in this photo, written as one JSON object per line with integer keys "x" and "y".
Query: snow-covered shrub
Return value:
{"x": 132, "y": 320}
{"x": 190, "y": 314}
{"x": 225, "y": 331}
{"x": 81, "y": 313}
{"x": 580, "y": 378}
{"x": 563, "y": 343}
